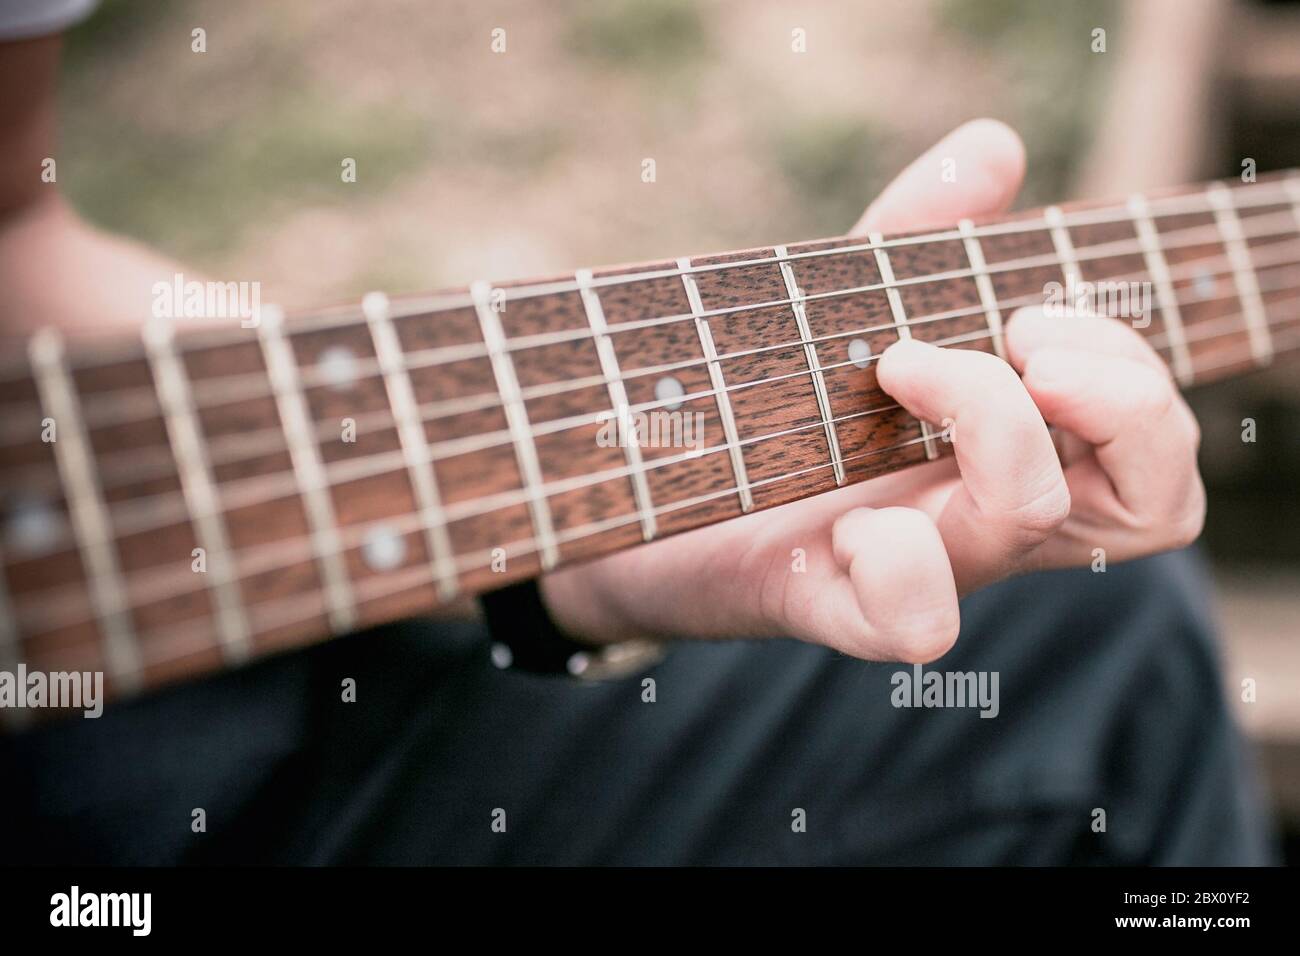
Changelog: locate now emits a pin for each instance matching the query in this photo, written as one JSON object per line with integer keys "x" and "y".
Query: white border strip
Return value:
{"x": 415, "y": 446}
{"x": 814, "y": 365}
{"x": 282, "y": 368}
{"x": 984, "y": 283}
{"x": 609, "y": 367}
{"x": 86, "y": 508}
{"x": 723, "y": 399}
{"x": 1149, "y": 239}
{"x": 530, "y": 469}
{"x": 198, "y": 487}
{"x": 1243, "y": 272}
{"x": 900, "y": 324}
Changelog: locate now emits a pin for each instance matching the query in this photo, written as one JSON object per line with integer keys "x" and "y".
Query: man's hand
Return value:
{"x": 887, "y": 559}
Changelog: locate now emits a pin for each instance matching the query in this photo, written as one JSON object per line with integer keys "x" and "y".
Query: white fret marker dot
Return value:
{"x": 669, "y": 391}
{"x": 1203, "y": 284}
{"x": 860, "y": 353}
{"x": 578, "y": 663}
{"x": 337, "y": 367}
{"x": 33, "y": 527}
{"x": 383, "y": 548}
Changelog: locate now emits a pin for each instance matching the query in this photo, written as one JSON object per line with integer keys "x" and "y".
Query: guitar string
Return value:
{"x": 393, "y": 586}
{"x": 1192, "y": 203}
{"x": 151, "y": 514}
{"x": 356, "y": 532}
{"x": 250, "y": 386}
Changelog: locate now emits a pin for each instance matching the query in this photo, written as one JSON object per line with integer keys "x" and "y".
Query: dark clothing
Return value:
{"x": 1110, "y": 698}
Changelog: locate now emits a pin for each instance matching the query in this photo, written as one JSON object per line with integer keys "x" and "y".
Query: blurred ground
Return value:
{"x": 529, "y": 162}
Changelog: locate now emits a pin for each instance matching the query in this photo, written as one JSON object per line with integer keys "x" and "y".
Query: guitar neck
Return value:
{"x": 191, "y": 498}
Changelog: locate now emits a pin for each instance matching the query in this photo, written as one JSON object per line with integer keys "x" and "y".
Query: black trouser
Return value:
{"x": 1109, "y": 699}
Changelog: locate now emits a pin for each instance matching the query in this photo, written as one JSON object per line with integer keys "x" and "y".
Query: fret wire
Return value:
{"x": 308, "y": 470}
{"x": 984, "y": 285}
{"x": 721, "y": 396}
{"x": 1158, "y": 269}
{"x": 1234, "y": 243}
{"x": 1056, "y": 227}
{"x": 197, "y": 487}
{"x": 430, "y": 358}
{"x": 376, "y": 464}
{"x": 972, "y": 336}
{"x": 814, "y": 363}
{"x": 414, "y": 444}
{"x": 900, "y": 326}
{"x": 91, "y": 523}
{"x": 530, "y": 469}
{"x": 609, "y": 366}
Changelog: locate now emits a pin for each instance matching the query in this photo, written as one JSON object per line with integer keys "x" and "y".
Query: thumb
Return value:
{"x": 976, "y": 170}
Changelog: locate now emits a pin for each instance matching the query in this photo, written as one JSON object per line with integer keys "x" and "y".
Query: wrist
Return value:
{"x": 584, "y": 610}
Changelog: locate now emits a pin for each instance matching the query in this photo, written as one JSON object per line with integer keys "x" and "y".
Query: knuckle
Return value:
{"x": 1155, "y": 397}
{"x": 1193, "y": 430}
{"x": 1030, "y": 524}
{"x": 999, "y": 373}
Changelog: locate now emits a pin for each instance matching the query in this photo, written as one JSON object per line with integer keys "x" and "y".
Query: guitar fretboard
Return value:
{"x": 190, "y": 498}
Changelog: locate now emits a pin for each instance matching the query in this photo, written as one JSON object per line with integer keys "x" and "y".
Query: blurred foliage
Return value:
{"x": 257, "y": 133}
{"x": 649, "y": 35}
{"x": 829, "y": 163}
{"x": 115, "y": 25}
{"x": 194, "y": 190}
{"x": 1046, "y": 47}
{"x": 202, "y": 191}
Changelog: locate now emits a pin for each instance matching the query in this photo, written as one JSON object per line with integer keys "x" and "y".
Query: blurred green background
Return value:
{"x": 529, "y": 161}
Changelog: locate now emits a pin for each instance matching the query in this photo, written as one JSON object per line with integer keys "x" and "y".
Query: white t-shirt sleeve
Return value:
{"x": 22, "y": 19}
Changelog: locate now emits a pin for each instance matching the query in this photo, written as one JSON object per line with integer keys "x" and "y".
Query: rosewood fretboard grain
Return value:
{"x": 376, "y": 463}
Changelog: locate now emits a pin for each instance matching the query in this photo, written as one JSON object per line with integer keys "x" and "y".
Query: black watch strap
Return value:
{"x": 524, "y": 635}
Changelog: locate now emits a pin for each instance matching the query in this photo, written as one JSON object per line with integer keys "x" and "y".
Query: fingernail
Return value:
{"x": 1027, "y": 312}
{"x": 912, "y": 347}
